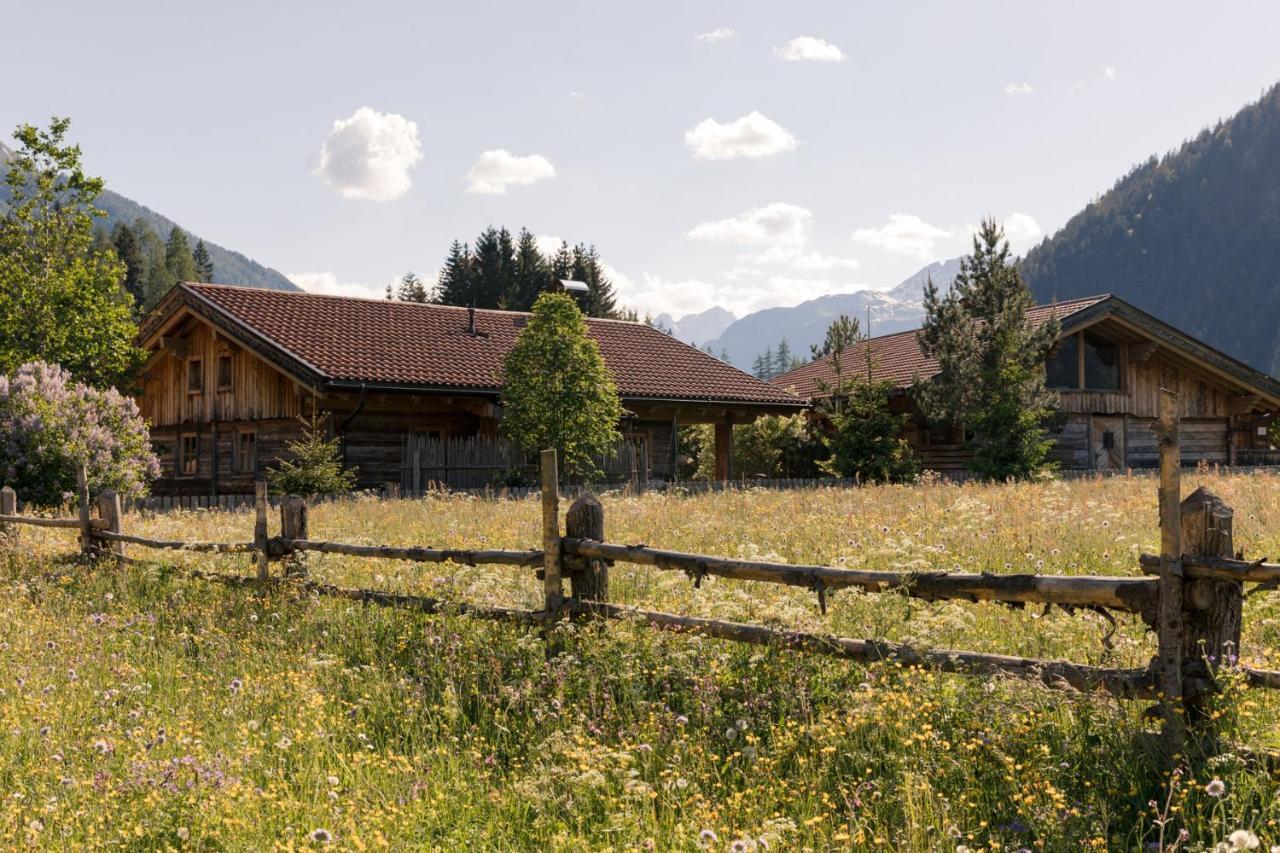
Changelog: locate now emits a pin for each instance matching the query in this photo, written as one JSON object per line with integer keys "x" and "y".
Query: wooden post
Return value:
{"x": 109, "y": 510}
{"x": 1211, "y": 607}
{"x": 293, "y": 525}
{"x": 553, "y": 590}
{"x": 588, "y": 578}
{"x": 724, "y": 451}
{"x": 83, "y": 510}
{"x": 9, "y": 506}
{"x": 260, "y": 528}
{"x": 1168, "y": 663}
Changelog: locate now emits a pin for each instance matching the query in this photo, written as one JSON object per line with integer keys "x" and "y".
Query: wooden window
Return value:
{"x": 1063, "y": 370}
{"x": 195, "y": 376}
{"x": 1101, "y": 364}
{"x": 246, "y": 452}
{"x": 226, "y": 376}
{"x": 189, "y": 455}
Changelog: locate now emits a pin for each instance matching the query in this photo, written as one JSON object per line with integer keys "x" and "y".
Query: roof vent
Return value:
{"x": 519, "y": 322}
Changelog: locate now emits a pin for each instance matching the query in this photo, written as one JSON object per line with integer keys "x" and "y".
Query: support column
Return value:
{"x": 724, "y": 451}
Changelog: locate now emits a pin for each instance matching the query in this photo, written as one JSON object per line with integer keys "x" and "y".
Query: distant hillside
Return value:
{"x": 1192, "y": 237}
{"x": 697, "y": 328}
{"x": 229, "y": 267}
{"x": 806, "y": 324}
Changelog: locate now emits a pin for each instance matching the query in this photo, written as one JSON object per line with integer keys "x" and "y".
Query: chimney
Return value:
{"x": 471, "y": 320}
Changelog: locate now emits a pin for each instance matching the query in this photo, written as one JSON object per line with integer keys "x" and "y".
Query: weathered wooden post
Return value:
{"x": 112, "y": 516}
{"x": 1211, "y": 608}
{"x": 83, "y": 510}
{"x": 553, "y": 590}
{"x": 293, "y": 525}
{"x": 1169, "y": 630}
{"x": 588, "y": 578}
{"x": 260, "y": 529}
{"x": 9, "y": 506}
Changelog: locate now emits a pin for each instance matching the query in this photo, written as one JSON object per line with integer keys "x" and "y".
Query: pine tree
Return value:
{"x": 493, "y": 268}
{"x": 203, "y": 263}
{"x": 316, "y": 467}
{"x": 411, "y": 289}
{"x": 178, "y": 262}
{"x": 991, "y": 361}
{"x": 783, "y": 360}
{"x": 532, "y": 272}
{"x": 842, "y": 334}
{"x": 454, "y": 282}
{"x": 588, "y": 269}
{"x": 562, "y": 262}
{"x": 158, "y": 281}
{"x": 130, "y": 251}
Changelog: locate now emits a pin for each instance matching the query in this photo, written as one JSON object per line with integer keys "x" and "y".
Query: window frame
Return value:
{"x": 184, "y": 457}
{"x": 229, "y": 359}
{"x": 1122, "y": 365}
{"x": 237, "y": 452}
{"x": 195, "y": 370}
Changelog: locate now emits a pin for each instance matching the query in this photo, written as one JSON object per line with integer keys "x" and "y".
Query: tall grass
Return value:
{"x": 140, "y": 709}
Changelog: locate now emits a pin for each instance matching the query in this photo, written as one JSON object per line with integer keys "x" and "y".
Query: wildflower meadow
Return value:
{"x": 142, "y": 709}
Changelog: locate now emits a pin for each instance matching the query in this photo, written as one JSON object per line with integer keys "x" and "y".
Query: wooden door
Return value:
{"x": 1107, "y": 443}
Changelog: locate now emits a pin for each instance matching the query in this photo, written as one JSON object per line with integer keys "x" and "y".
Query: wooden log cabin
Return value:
{"x": 231, "y": 370}
{"x": 1108, "y": 367}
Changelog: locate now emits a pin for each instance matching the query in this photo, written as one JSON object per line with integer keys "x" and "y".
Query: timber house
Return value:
{"x": 1108, "y": 368}
{"x": 411, "y": 391}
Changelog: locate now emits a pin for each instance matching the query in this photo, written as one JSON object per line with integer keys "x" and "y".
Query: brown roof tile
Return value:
{"x": 344, "y": 339}
{"x": 897, "y": 357}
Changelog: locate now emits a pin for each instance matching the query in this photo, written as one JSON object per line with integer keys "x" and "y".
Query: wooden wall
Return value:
{"x": 258, "y": 391}
{"x": 1199, "y": 395}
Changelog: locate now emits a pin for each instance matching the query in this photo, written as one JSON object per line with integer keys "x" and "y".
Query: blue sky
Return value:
{"x": 742, "y": 169}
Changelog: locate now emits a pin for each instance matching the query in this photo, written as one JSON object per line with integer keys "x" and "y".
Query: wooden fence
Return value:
{"x": 1191, "y": 593}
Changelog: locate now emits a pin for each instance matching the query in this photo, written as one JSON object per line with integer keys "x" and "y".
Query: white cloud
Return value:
{"x": 797, "y": 259}
{"x": 753, "y": 135}
{"x": 1018, "y": 89}
{"x": 369, "y": 155}
{"x": 498, "y": 169}
{"x": 809, "y": 49}
{"x": 327, "y": 283}
{"x": 773, "y": 224}
{"x": 577, "y": 97}
{"x": 903, "y": 234}
{"x": 656, "y": 295}
{"x": 718, "y": 34}
{"x": 547, "y": 245}
{"x": 1110, "y": 72}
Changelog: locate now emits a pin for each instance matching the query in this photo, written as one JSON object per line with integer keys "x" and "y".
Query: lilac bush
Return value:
{"x": 49, "y": 423}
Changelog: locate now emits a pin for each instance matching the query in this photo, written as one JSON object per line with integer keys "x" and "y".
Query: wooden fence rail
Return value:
{"x": 1193, "y": 603}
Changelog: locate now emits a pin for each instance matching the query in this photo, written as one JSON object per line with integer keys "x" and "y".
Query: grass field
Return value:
{"x": 143, "y": 710}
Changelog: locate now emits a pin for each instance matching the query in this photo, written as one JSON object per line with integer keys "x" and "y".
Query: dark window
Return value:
{"x": 195, "y": 376}
{"x": 1108, "y": 440}
{"x": 246, "y": 452}
{"x": 1063, "y": 370}
{"x": 189, "y": 455}
{"x": 1101, "y": 364}
{"x": 941, "y": 435}
{"x": 224, "y": 373}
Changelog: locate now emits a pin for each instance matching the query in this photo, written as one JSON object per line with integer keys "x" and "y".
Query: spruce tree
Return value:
{"x": 178, "y": 262}
{"x": 130, "y": 251}
{"x": 411, "y": 289}
{"x": 991, "y": 361}
{"x": 203, "y": 263}
{"x": 493, "y": 268}
{"x": 454, "y": 282}
{"x": 842, "y": 334}
{"x": 600, "y": 300}
{"x": 532, "y": 272}
{"x": 316, "y": 467}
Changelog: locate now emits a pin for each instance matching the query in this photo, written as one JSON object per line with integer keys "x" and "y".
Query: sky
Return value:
{"x": 716, "y": 152}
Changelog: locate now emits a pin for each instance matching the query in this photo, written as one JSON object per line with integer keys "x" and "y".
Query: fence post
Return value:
{"x": 588, "y": 579}
{"x": 109, "y": 510}
{"x": 293, "y": 525}
{"x": 9, "y": 506}
{"x": 260, "y": 528}
{"x": 1212, "y": 608}
{"x": 553, "y": 590}
{"x": 82, "y": 507}
{"x": 1169, "y": 629}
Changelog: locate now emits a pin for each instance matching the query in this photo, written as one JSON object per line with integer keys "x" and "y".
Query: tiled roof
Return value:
{"x": 343, "y": 339}
{"x": 897, "y": 357}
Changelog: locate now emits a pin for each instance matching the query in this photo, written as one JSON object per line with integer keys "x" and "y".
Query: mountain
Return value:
{"x": 805, "y": 325}
{"x": 697, "y": 328}
{"x": 1192, "y": 237}
{"x": 229, "y": 267}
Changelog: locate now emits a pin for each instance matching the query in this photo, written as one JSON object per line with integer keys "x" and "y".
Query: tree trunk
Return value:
{"x": 588, "y": 577}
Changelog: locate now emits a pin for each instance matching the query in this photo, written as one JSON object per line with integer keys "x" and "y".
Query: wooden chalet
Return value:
{"x": 232, "y": 369}
{"x": 1108, "y": 367}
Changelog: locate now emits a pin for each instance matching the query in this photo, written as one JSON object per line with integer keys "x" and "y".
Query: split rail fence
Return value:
{"x": 1191, "y": 594}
